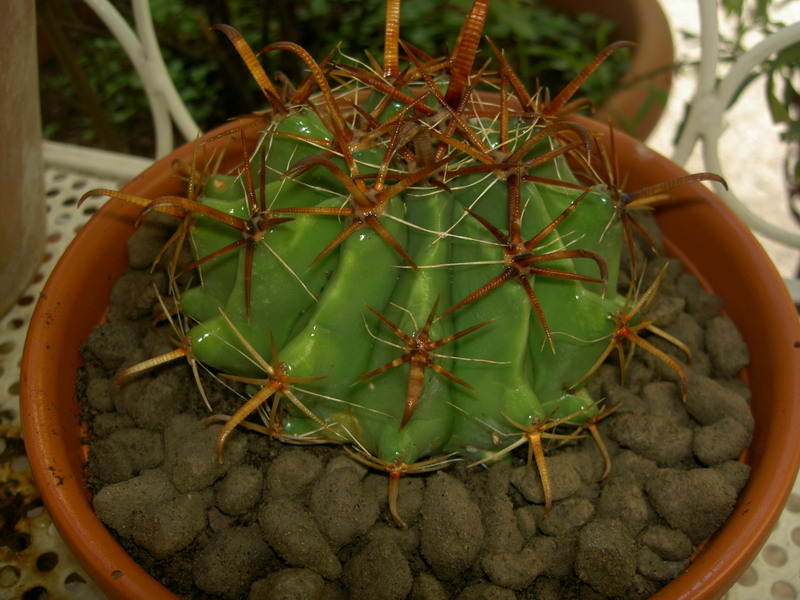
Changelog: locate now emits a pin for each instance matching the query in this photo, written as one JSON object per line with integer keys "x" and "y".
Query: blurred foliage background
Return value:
{"x": 781, "y": 73}
{"x": 91, "y": 94}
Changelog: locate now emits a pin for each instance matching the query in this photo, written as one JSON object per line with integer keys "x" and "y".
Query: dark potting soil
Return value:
{"x": 280, "y": 521}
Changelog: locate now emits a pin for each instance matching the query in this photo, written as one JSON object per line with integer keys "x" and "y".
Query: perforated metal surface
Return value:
{"x": 34, "y": 562}
{"x": 40, "y": 561}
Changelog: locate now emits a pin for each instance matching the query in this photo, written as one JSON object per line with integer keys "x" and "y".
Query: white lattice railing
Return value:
{"x": 705, "y": 121}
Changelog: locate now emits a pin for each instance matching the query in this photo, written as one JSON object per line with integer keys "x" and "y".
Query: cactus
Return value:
{"x": 406, "y": 264}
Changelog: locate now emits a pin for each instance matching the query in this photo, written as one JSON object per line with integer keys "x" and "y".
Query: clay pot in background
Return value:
{"x": 22, "y": 207}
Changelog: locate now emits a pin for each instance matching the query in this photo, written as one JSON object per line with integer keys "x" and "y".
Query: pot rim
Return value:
{"x": 61, "y": 321}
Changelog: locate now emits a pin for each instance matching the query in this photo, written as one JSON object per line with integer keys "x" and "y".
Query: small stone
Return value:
{"x": 409, "y": 496}
{"x": 653, "y": 437}
{"x": 709, "y": 401}
{"x": 547, "y": 588}
{"x": 146, "y": 241}
{"x": 664, "y": 371}
{"x": 653, "y": 245}
{"x": 622, "y": 498}
{"x": 145, "y": 448}
{"x": 287, "y": 584}
{"x": 557, "y": 552}
{"x": 100, "y": 394}
{"x": 110, "y": 344}
{"x": 606, "y": 557}
{"x": 451, "y": 532}
{"x": 616, "y": 394}
{"x": 642, "y": 588}
{"x": 378, "y": 572}
{"x": 668, "y": 543}
{"x": 405, "y": 538}
{"x": 740, "y": 387}
{"x": 110, "y": 461}
{"x": 427, "y": 587}
{"x": 105, "y": 424}
{"x": 513, "y": 570}
{"x": 500, "y": 525}
{"x": 292, "y": 473}
{"x": 341, "y": 506}
{"x": 735, "y": 473}
{"x": 191, "y": 453}
{"x": 666, "y": 309}
{"x": 689, "y": 331}
{"x": 499, "y": 478}
{"x": 663, "y": 399}
{"x": 725, "y": 346}
{"x": 239, "y": 491}
{"x": 231, "y": 561}
{"x": 132, "y": 388}
{"x": 605, "y": 375}
{"x": 652, "y": 566}
{"x": 164, "y": 528}
{"x": 135, "y": 293}
{"x": 628, "y": 462}
{"x": 639, "y": 373}
{"x": 527, "y": 519}
{"x": 582, "y": 591}
{"x": 155, "y": 343}
{"x": 567, "y": 516}
{"x": 334, "y": 590}
{"x": 345, "y": 462}
{"x": 721, "y": 441}
{"x": 295, "y": 536}
{"x": 486, "y": 591}
{"x": 565, "y": 479}
{"x": 702, "y": 305}
{"x": 697, "y": 501}
{"x": 162, "y": 399}
{"x": 116, "y": 503}
{"x": 589, "y": 461}
{"x": 218, "y": 520}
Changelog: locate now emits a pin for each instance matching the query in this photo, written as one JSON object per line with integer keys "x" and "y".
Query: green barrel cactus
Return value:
{"x": 406, "y": 263}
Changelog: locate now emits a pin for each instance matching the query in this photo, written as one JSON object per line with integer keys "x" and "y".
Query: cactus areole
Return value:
{"x": 405, "y": 263}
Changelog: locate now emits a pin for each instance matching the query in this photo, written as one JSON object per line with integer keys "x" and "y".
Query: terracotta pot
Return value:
{"x": 644, "y": 90}
{"x": 711, "y": 240}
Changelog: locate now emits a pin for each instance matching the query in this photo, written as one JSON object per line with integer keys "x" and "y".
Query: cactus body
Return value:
{"x": 323, "y": 316}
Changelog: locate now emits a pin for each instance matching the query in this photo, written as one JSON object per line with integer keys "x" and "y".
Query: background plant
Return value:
{"x": 101, "y": 103}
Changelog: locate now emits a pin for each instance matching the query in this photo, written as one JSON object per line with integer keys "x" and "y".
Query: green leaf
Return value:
{"x": 777, "y": 109}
